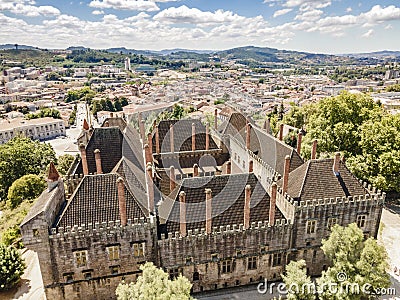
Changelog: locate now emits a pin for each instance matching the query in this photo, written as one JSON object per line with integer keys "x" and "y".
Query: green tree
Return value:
{"x": 12, "y": 267}
{"x": 27, "y": 187}
{"x": 298, "y": 284}
{"x": 393, "y": 88}
{"x": 355, "y": 262}
{"x": 21, "y": 156}
{"x": 64, "y": 162}
{"x": 154, "y": 284}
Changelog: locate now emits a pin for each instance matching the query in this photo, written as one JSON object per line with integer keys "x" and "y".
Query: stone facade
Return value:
{"x": 88, "y": 260}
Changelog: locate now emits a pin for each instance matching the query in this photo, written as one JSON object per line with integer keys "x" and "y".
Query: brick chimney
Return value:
{"x": 207, "y": 137}
{"x": 251, "y": 165}
{"x": 150, "y": 143}
{"x": 248, "y": 131}
{"x": 246, "y": 216}
{"x": 299, "y": 138}
{"x": 215, "y": 119}
{"x": 172, "y": 183}
{"x": 336, "y": 163}
{"x": 171, "y": 138}
{"x": 121, "y": 201}
{"x": 281, "y": 132}
{"x": 314, "y": 150}
{"x": 208, "y": 210}
{"x": 272, "y": 204}
{"x": 97, "y": 157}
{"x": 147, "y": 154}
{"x": 52, "y": 177}
{"x": 286, "y": 174}
{"x": 85, "y": 168}
{"x": 182, "y": 213}
{"x": 85, "y": 125}
{"x": 154, "y": 124}
{"x": 195, "y": 170}
{"x": 157, "y": 141}
{"x": 228, "y": 167}
{"x": 193, "y": 137}
{"x": 142, "y": 130}
{"x": 150, "y": 187}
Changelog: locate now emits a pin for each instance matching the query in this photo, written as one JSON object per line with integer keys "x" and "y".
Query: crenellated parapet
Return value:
{"x": 235, "y": 240}
{"x": 138, "y": 227}
{"x": 378, "y": 197}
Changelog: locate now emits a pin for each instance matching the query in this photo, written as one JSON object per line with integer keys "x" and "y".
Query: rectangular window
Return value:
{"x": 173, "y": 273}
{"x": 113, "y": 252}
{"x": 80, "y": 258}
{"x": 214, "y": 257}
{"x": 138, "y": 249}
{"x": 276, "y": 259}
{"x": 252, "y": 263}
{"x": 87, "y": 275}
{"x": 227, "y": 266}
{"x": 311, "y": 226}
{"x": 69, "y": 277}
{"x": 361, "y": 220}
{"x": 114, "y": 270}
{"x": 331, "y": 222}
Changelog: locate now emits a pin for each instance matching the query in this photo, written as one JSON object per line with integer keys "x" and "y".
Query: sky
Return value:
{"x": 317, "y": 26}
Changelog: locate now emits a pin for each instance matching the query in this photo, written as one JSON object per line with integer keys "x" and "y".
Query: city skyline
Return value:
{"x": 318, "y": 26}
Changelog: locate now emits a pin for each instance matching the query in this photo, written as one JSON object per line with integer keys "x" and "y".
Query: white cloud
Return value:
{"x": 349, "y": 9}
{"x": 25, "y": 8}
{"x": 388, "y": 27}
{"x": 137, "y": 5}
{"x": 184, "y": 14}
{"x": 282, "y": 12}
{"x": 368, "y": 34}
{"x": 309, "y": 15}
{"x": 98, "y": 12}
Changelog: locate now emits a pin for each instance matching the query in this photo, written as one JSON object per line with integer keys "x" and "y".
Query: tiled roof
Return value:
{"x": 108, "y": 140}
{"x": 228, "y": 192}
{"x": 182, "y": 136}
{"x": 96, "y": 200}
{"x": 315, "y": 180}
{"x": 267, "y": 147}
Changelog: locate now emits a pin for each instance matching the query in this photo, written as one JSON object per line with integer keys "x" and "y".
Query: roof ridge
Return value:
{"x": 305, "y": 176}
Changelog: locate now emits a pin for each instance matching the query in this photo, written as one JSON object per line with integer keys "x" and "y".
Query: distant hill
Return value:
{"x": 379, "y": 54}
{"x": 21, "y": 47}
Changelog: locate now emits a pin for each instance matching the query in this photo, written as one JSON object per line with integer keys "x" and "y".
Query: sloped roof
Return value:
{"x": 270, "y": 149}
{"x": 182, "y": 136}
{"x": 96, "y": 200}
{"x": 109, "y": 141}
{"x": 228, "y": 192}
{"x": 315, "y": 179}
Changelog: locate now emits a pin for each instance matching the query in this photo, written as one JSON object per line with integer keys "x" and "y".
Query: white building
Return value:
{"x": 36, "y": 129}
{"x": 127, "y": 63}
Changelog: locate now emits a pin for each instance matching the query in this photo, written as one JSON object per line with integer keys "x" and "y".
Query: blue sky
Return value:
{"x": 323, "y": 26}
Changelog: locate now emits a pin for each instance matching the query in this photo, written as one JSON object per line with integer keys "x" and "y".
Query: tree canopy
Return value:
{"x": 11, "y": 267}
{"x": 154, "y": 284}
{"x": 21, "y": 156}
{"x": 353, "y": 124}
{"x": 355, "y": 262}
{"x": 297, "y": 281}
{"x": 27, "y": 187}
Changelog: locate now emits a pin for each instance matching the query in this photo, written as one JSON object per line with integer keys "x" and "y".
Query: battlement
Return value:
{"x": 140, "y": 226}
{"x": 377, "y": 197}
{"x": 280, "y": 224}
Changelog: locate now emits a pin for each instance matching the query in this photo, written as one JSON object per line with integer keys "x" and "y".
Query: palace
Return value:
{"x": 224, "y": 205}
